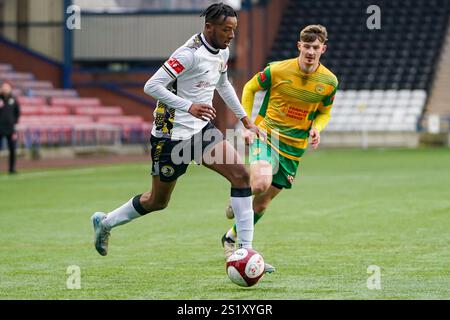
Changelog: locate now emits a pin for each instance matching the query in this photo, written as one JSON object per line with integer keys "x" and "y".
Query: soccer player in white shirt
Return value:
{"x": 184, "y": 87}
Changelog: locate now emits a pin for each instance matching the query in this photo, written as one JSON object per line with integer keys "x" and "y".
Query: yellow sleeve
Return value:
{"x": 323, "y": 112}
{"x": 260, "y": 82}
{"x": 248, "y": 95}
{"x": 322, "y": 119}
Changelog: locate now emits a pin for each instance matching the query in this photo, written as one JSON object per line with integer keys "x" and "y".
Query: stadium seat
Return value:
{"x": 15, "y": 76}
{"x": 48, "y": 93}
{"x": 4, "y": 67}
{"x": 32, "y": 101}
{"x": 74, "y": 102}
{"x": 31, "y": 84}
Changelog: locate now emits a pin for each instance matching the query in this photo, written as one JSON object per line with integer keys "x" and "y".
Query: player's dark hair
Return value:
{"x": 216, "y": 10}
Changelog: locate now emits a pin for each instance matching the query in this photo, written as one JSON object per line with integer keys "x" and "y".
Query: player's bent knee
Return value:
{"x": 260, "y": 186}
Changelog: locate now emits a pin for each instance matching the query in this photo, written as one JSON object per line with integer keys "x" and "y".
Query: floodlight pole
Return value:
{"x": 67, "y": 48}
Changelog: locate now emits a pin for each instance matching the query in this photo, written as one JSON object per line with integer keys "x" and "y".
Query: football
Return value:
{"x": 245, "y": 267}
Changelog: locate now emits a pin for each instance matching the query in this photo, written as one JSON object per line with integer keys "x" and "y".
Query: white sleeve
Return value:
{"x": 157, "y": 85}
{"x": 229, "y": 95}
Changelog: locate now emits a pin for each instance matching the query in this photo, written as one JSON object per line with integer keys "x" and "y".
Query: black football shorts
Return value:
{"x": 170, "y": 158}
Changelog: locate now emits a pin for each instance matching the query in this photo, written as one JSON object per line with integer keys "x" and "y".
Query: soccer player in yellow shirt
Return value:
{"x": 297, "y": 104}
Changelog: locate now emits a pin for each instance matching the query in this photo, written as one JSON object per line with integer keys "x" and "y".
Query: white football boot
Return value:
{"x": 101, "y": 233}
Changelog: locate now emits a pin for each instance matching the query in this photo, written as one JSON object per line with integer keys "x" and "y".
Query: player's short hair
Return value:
{"x": 312, "y": 32}
{"x": 217, "y": 10}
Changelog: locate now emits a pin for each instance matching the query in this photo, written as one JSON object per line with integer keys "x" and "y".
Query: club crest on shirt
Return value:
{"x": 320, "y": 88}
{"x": 1, "y": 104}
{"x": 222, "y": 66}
{"x": 167, "y": 171}
{"x": 196, "y": 43}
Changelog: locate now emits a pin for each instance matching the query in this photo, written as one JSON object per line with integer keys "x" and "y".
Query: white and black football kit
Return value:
{"x": 190, "y": 75}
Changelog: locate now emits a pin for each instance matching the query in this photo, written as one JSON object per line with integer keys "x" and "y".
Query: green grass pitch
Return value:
{"x": 349, "y": 209}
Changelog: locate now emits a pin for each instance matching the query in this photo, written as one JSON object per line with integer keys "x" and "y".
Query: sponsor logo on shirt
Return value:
{"x": 203, "y": 84}
{"x": 175, "y": 65}
{"x": 296, "y": 113}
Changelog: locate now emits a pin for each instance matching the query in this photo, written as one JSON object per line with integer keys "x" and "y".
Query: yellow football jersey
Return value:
{"x": 293, "y": 102}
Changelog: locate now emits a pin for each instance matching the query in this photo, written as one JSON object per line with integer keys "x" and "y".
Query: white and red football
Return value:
{"x": 245, "y": 267}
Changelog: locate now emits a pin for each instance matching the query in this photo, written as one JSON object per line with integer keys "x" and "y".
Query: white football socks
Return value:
{"x": 121, "y": 215}
{"x": 241, "y": 202}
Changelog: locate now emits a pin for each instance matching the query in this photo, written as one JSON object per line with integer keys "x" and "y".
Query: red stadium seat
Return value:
{"x": 122, "y": 120}
{"x": 43, "y": 110}
{"x": 32, "y": 101}
{"x": 99, "y": 111}
{"x": 54, "y": 110}
{"x": 54, "y": 120}
{"x": 27, "y": 84}
{"x": 75, "y": 102}
{"x": 5, "y": 68}
{"x": 11, "y": 76}
{"x": 30, "y": 110}
{"x": 55, "y": 93}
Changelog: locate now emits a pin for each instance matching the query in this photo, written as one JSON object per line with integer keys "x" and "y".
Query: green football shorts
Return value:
{"x": 284, "y": 169}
